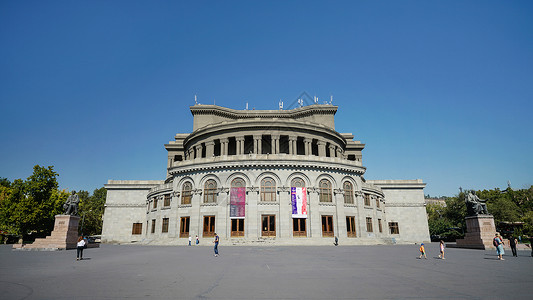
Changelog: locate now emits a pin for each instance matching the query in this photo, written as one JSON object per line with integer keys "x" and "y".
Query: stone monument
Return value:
{"x": 65, "y": 233}
{"x": 480, "y": 228}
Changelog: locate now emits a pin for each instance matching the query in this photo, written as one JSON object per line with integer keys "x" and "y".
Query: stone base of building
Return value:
{"x": 64, "y": 236}
{"x": 480, "y": 233}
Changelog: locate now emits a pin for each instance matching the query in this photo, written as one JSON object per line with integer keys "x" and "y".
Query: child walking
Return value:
{"x": 441, "y": 255}
{"x": 422, "y": 252}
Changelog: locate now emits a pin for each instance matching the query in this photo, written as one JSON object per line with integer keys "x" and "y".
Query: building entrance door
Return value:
{"x": 298, "y": 227}
{"x": 269, "y": 225}
{"x": 237, "y": 227}
{"x": 327, "y": 226}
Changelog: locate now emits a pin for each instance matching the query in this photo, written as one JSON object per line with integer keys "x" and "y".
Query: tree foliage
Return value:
{"x": 30, "y": 206}
{"x": 91, "y": 211}
{"x": 505, "y": 206}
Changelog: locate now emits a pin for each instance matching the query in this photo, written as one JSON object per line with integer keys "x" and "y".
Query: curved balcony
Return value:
{"x": 267, "y": 160}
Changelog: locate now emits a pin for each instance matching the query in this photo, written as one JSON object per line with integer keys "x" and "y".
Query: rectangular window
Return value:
{"x": 369, "y": 225}
{"x": 153, "y": 225}
{"x": 379, "y": 225}
{"x": 237, "y": 227}
{"x": 167, "y": 200}
{"x": 155, "y": 202}
{"x": 268, "y": 225}
{"x": 137, "y": 228}
{"x": 164, "y": 227}
{"x": 209, "y": 226}
{"x": 394, "y": 229}
{"x": 186, "y": 196}
{"x": 184, "y": 226}
{"x": 327, "y": 226}
{"x": 298, "y": 227}
{"x": 350, "y": 226}
{"x": 367, "y": 199}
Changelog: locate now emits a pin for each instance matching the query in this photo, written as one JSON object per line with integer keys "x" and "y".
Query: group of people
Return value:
{"x": 497, "y": 242}
{"x": 423, "y": 251}
{"x": 216, "y": 241}
{"x": 197, "y": 240}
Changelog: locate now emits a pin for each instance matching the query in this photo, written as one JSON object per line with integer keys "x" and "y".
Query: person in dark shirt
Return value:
{"x": 512, "y": 243}
{"x": 531, "y": 244}
{"x": 216, "y": 244}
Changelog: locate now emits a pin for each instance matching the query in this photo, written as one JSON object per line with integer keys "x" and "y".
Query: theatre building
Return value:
{"x": 283, "y": 177}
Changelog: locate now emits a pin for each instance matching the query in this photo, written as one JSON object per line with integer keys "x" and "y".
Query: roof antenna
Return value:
{"x": 195, "y": 100}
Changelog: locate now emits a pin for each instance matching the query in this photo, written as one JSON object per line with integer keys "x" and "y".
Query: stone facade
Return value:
{"x": 266, "y": 153}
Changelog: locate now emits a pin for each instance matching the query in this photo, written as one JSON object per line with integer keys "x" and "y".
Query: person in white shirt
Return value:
{"x": 79, "y": 249}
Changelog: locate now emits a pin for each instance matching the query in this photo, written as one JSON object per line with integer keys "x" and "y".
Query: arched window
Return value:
{"x": 348, "y": 192}
{"x": 297, "y": 182}
{"x": 210, "y": 191}
{"x": 238, "y": 182}
{"x": 186, "y": 193}
{"x": 268, "y": 189}
{"x": 325, "y": 190}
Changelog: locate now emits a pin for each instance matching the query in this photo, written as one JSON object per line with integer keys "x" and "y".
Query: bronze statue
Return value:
{"x": 71, "y": 205}
{"x": 474, "y": 205}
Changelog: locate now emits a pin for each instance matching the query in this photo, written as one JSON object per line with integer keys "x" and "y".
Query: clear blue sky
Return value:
{"x": 437, "y": 90}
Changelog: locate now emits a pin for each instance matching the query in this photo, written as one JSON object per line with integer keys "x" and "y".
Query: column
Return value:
{"x": 257, "y": 144}
{"x": 252, "y": 230}
{"x": 360, "y": 219}
{"x": 332, "y": 151}
{"x": 224, "y": 146}
{"x": 340, "y": 231}
{"x": 292, "y": 145}
{"x": 198, "y": 151}
{"x": 307, "y": 146}
{"x": 240, "y": 145}
{"x": 275, "y": 144}
{"x": 315, "y": 221}
{"x": 321, "y": 148}
{"x": 196, "y": 221}
{"x": 285, "y": 212}
{"x": 209, "y": 149}
{"x": 339, "y": 152}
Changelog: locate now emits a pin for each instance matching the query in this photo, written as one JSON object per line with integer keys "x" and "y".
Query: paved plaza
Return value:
{"x": 245, "y": 272}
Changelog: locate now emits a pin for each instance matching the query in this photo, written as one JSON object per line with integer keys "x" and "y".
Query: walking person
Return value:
{"x": 190, "y": 239}
{"x": 441, "y": 255}
{"x": 512, "y": 243}
{"x": 531, "y": 244}
{"x": 498, "y": 243}
{"x": 422, "y": 252}
{"x": 216, "y": 244}
{"x": 197, "y": 240}
{"x": 79, "y": 248}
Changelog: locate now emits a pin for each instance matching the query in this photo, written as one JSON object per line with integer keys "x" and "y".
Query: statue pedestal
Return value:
{"x": 480, "y": 233}
{"x": 64, "y": 235}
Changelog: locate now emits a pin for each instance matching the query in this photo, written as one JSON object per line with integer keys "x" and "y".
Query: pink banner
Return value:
{"x": 237, "y": 203}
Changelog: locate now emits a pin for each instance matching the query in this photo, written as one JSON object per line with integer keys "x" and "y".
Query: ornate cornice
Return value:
{"x": 124, "y": 205}
{"x": 405, "y": 204}
{"x": 250, "y": 114}
{"x": 203, "y": 165}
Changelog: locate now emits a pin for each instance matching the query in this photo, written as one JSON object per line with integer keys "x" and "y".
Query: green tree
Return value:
{"x": 91, "y": 211}
{"x": 30, "y": 206}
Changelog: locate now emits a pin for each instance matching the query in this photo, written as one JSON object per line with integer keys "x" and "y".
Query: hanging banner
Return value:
{"x": 237, "y": 202}
{"x": 299, "y": 202}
